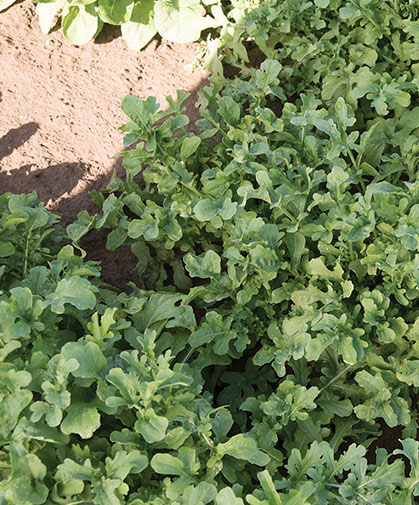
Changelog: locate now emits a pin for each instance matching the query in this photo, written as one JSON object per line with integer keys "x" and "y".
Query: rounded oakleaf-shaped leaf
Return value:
{"x": 81, "y": 24}
{"x": 81, "y": 419}
{"x": 140, "y": 29}
{"x": 179, "y": 20}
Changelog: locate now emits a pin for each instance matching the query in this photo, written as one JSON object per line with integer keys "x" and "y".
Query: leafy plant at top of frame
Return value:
{"x": 140, "y": 20}
{"x": 4, "y": 4}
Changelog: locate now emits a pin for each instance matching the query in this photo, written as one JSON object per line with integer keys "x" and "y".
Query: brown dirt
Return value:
{"x": 60, "y": 106}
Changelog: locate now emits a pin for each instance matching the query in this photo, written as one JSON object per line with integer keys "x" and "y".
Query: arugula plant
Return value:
{"x": 316, "y": 39}
{"x": 271, "y": 354}
{"x": 28, "y": 233}
{"x": 289, "y": 226}
{"x": 100, "y": 394}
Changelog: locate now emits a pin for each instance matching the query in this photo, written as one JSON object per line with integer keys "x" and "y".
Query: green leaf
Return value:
{"x": 317, "y": 267}
{"x": 213, "y": 329}
{"x": 147, "y": 227}
{"x": 203, "y": 266}
{"x": 408, "y": 372}
{"x": 242, "y": 447}
{"x": 80, "y": 24}
{"x": 295, "y": 243}
{"x": 6, "y": 249}
{"x": 106, "y": 491}
{"x": 78, "y": 229}
{"x": 189, "y": 146}
{"x": 203, "y": 493}
{"x": 298, "y": 466}
{"x": 115, "y": 12}
{"x": 341, "y": 112}
{"x": 263, "y": 258}
{"x": 166, "y": 464}
{"x": 72, "y": 470}
{"x": 411, "y": 451}
{"x": 206, "y": 209}
{"x": 164, "y": 307}
{"x": 53, "y": 414}
{"x": 347, "y": 461}
{"x": 10, "y": 410}
{"x": 229, "y": 110}
{"x": 336, "y": 179}
{"x": 125, "y": 463}
{"x": 269, "y": 488}
{"x": 140, "y": 29}
{"x": 89, "y": 357}
{"x": 116, "y": 238}
{"x": 179, "y": 20}
{"x": 81, "y": 419}
{"x": 140, "y": 111}
{"x": 76, "y": 291}
{"x": 153, "y": 428}
{"x": 227, "y": 497}
{"x": 222, "y": 423}
{"x": 372, "y": 383}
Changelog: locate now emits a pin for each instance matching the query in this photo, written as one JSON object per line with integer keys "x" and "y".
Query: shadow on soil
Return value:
{"x": 16, "y": 137}
{"x": 55, "y": 183}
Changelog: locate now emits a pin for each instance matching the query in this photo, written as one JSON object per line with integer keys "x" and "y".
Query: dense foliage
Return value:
{"x": 140, "y": 20}
{"x": 271, "y": 355}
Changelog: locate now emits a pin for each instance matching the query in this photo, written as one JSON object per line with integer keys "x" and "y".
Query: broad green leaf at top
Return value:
{"x": 179, "y": 20}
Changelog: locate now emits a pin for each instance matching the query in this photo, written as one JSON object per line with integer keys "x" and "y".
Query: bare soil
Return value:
{"x": 60, "y": 108}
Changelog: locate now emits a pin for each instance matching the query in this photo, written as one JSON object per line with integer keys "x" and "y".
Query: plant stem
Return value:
{"x": 79, "y": 502}
{"x": 25, "y": 265}
{"x": 337, "y": 377}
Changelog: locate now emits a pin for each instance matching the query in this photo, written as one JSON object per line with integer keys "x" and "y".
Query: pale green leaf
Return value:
{"x": 81, "y": 419}
{"x": 115, "y": 12}
{"x": 80, "y": 24}
{"x": 140, "y": 29}
{"x": 89, "y": 357}
{"x": 76, "y": 291}
{"x": 179, "y": 20}
{"x": 47, "y": 14}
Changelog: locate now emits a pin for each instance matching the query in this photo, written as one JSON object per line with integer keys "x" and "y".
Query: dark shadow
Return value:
{"x": 50, "y": 183}
{"x": 1, "y": 96}
{"x": 16, "y": 137}
{"x": 56, "y": 27}
{"x": 107, "y": 34}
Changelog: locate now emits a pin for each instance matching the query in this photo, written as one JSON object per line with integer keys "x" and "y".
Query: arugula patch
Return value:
{"x": 273, "y": 345}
